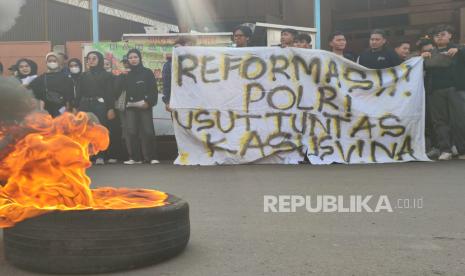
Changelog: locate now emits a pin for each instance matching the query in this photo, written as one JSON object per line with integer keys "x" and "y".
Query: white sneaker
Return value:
{"x": 99, "y": 161}
{"x": 132, "y": 162}
{"x": 112, "y": 161}
{"x": 445, "y": 156}
{"x": 154, "y": 161}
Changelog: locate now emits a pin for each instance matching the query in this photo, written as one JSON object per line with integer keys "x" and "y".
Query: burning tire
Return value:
{"x": 100, "y": 240}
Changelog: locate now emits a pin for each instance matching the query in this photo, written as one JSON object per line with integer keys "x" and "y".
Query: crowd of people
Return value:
{"x": 124, "y": 103}
{"x": 444, "y": 77}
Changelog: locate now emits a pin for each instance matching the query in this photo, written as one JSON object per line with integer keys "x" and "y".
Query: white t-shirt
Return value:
{"x": 28, "y": 80}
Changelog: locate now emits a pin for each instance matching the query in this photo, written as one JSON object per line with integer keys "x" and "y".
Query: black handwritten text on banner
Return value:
{"x": 273, "y": 105}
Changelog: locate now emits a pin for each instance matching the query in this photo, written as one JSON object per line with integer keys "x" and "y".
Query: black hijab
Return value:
{"x": 99, "y": 66}
{"x": 140, "y": 65}
{"x": 79, "y": 63}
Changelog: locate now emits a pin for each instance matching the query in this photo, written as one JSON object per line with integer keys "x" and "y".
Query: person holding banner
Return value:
{"x": 425, "y": 47}
{"x": 141, "y": 95}
{"x": 303, "y": 41}
{"x": 446, "y": 66}
{"x": 288, "y": 38}
{"x": 241, "y": 36}
{"x": 338, "y": 43}
{"x": 166, "y": 78}
{"x": 402, "y": 49}
{"x": 166, "y": 72}
{"x": 379, "y": 55}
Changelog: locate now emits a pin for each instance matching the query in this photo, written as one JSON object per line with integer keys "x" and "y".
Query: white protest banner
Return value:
{"x": 273, "y": 105}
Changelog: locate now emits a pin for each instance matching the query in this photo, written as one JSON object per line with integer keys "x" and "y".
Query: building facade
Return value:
{"x": 58, "y": 22}
{"x": 402, "y": 19}
{"x": 55, "y": 21}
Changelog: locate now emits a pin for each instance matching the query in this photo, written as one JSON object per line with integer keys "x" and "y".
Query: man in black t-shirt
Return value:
{"x": 379, "y": 56}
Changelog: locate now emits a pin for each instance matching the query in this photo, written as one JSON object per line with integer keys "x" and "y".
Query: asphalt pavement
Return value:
{"x": 232, "y": 235}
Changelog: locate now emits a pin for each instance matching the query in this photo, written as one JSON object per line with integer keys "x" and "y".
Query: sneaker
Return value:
{"x": 445, "y": 156}
{"x": 132, "y": 162}
{"x": 99, "y": 161}
{"x": 433, "y": 153}
{"x": 154, "y": 161}
{"x": 112, "y": 161}
{"x": 455, "y": 152}
{"x": 461, "y": 157}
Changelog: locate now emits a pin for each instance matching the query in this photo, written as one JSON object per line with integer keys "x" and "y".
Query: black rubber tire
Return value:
{"x": 76, "y": 242}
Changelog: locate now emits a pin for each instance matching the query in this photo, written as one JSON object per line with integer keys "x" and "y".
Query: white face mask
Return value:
{"x": 52, "y": 65}
{"x": 109, "y": 70}
{"x": 75, "y": 70}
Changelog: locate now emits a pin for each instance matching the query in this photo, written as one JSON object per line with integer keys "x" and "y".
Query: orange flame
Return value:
{"x": 46, "y": 171}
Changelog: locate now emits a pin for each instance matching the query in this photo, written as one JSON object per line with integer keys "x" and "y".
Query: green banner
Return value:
{"x": 155, "y": 51}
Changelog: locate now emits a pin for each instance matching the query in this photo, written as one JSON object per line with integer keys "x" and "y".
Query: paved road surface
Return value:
{"x": 231, "y": 235}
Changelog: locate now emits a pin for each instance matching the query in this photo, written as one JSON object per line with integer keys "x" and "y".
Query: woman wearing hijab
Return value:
{"x": 75, "y": 72}
{"x": 27, "y": 71}
{"x": 53, "y": 89}
{"x": 96, "y": 93}
{"x": 141, "y": 95}
{"x": 116, "y": 150}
